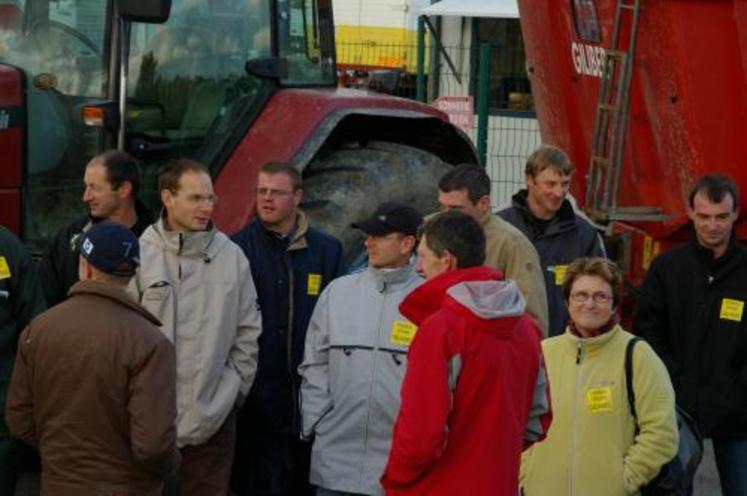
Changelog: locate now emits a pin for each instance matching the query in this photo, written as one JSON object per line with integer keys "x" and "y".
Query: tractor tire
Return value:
{"x": 346, "y": 184}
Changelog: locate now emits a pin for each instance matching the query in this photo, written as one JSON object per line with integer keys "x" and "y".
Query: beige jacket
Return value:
{"x": 200, "y": 286}
{"x": 509, "y": 251}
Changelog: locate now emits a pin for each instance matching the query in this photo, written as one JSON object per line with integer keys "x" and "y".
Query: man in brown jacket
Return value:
{"x": 93, "y": 383}
{"x": 466, "y": 187}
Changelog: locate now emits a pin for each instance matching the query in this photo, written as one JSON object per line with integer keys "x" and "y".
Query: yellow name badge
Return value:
{"x": 732, "y": 309}
{"x": 314, "y": 284}
{"x": 560, "y": 271}
{"x": 599, "y": 400}
{"x": 4, "y": 268}
{"x": 403, "y": 332}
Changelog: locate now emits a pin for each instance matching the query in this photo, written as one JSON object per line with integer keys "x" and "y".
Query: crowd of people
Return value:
{"x": 476, "y": 354}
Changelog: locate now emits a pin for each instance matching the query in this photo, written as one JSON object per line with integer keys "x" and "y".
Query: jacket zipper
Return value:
{"x": 289, "y": 350}
{"x": 579, "y": 359}
{"x": 375, "y": 354}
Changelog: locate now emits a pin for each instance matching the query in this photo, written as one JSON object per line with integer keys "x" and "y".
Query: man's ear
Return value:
{"x": 483, "y": 204}
{"x": 125, "y": 189}
{"x": 167, "y": 198}
{"x": 450, "y": 261}
{"x": 409, "y": 243}
{"x": 690, "y": 213}
{"x": 297, "y": 197}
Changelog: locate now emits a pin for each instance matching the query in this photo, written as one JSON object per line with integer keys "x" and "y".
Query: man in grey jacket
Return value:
{"x": 199, "y": 284}
{"x": 354, "y": 358}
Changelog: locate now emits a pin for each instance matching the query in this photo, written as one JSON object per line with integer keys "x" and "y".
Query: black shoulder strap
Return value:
{"x": 629, "y": 376}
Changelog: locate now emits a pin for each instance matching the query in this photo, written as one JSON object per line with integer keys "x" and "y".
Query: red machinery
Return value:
{"x": 230, "y": 83}
{"x": 685, "y": 106}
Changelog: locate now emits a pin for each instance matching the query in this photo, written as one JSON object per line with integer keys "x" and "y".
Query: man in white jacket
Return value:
{"x": 199, "y": 285}
{"x": 355, "y": 357}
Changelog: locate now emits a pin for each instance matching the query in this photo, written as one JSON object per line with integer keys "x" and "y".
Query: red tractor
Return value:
{"x": 231, "y": 83}
{"x": 645, "y": 95}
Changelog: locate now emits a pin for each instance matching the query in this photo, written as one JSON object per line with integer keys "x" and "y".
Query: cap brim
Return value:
{"x": 373, "y": 226}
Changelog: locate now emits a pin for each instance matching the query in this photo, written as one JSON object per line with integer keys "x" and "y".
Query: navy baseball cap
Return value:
{"x": 391, "y": 217}
{"x": 111, "y": 248}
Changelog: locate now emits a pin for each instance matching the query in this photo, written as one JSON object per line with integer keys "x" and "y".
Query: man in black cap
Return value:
{"x": 94, "y": 380}
{"x": 355, "y": 357}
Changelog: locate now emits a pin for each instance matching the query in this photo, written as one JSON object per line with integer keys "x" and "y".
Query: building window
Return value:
{"x": 509, "y": 89}
{"x": 587, "y": 22}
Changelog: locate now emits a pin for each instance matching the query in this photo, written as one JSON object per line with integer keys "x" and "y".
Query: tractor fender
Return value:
{"x": 296, "y": 125}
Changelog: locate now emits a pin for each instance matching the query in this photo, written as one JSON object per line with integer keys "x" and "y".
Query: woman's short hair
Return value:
{"x": 594, "y": 266}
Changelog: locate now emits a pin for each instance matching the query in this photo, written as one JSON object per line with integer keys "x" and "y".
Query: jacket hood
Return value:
{"x": 489, "y": 299}
{"x": 201, "y": 244}
{"x": 428, "y": 298}
{"x": 113, "y": 293}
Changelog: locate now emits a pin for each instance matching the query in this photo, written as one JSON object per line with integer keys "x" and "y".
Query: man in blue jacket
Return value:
{"x": 291, "y": 264}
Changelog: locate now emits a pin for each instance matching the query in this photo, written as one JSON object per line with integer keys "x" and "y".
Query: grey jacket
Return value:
{"x": 200, "y": 286}
{"x": 353, "y": 366}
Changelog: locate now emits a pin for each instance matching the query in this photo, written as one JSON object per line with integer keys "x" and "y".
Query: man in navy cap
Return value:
{"x": 355, "y": 357}
{"x": 93, "y": 386}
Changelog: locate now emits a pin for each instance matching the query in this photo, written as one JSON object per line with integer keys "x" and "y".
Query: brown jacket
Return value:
{"x": 509, "y": 251}
{"x": 93, "y": 388}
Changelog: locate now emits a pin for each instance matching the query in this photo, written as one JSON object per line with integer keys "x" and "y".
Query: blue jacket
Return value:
{"x": 290, "y": 274}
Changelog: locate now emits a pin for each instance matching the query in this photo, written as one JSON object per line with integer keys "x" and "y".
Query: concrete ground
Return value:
{"x": 706, "y": 479}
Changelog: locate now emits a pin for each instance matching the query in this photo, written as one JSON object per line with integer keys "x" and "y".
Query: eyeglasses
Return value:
{"x": 272, "y": 193}
{"x": 583, "y": 297}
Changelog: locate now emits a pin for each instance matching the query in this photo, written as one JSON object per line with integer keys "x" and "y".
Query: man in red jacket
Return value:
{"x": 475, "y": 392}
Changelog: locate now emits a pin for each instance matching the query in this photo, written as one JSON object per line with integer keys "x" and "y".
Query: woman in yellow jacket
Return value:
{"x": 592, "y": 448}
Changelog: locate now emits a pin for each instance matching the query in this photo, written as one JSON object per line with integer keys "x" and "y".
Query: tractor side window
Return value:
{"x": 509, "y": 89}
{"x": 305, "y": 41}
{"x": 587, "y": 22}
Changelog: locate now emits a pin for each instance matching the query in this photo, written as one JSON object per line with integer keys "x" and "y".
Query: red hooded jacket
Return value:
{"x": 475, "y": 392}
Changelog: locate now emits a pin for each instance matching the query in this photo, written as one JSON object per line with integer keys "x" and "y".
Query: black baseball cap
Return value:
{"x": 391, "y": 217}
{"x": 111, "y": 248}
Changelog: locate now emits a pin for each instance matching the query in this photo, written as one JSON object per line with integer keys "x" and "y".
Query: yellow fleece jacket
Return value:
{"x": 591, "y": 447}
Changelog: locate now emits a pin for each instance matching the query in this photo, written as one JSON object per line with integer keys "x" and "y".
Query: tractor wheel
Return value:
{"x": 346, "y": 184}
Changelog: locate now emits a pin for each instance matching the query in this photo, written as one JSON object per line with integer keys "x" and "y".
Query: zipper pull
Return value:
{"x": 579, "y": 352}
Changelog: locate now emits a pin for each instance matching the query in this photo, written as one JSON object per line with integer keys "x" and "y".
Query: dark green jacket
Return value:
{"x": 21, "y": 298}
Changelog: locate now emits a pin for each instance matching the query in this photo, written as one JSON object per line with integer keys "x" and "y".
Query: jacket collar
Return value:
{"x": 112, "y": 292}
{"x": 706, "y": 255}
{"x": 297, "y": 238}
{"x": 565, "y": 215}
{"x": 428, "y": 298}
{"x": 590, "y": 346}
{"x": 385, "y": 279}
{"x": 186, "y": 244}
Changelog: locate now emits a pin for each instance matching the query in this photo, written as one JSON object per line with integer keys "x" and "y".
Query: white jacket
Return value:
{"x": 200, "y": 286}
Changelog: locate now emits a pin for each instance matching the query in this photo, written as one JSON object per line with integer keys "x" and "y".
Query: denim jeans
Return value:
{"x": 320, "y": 491}
{"x": 731, "y": 461}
